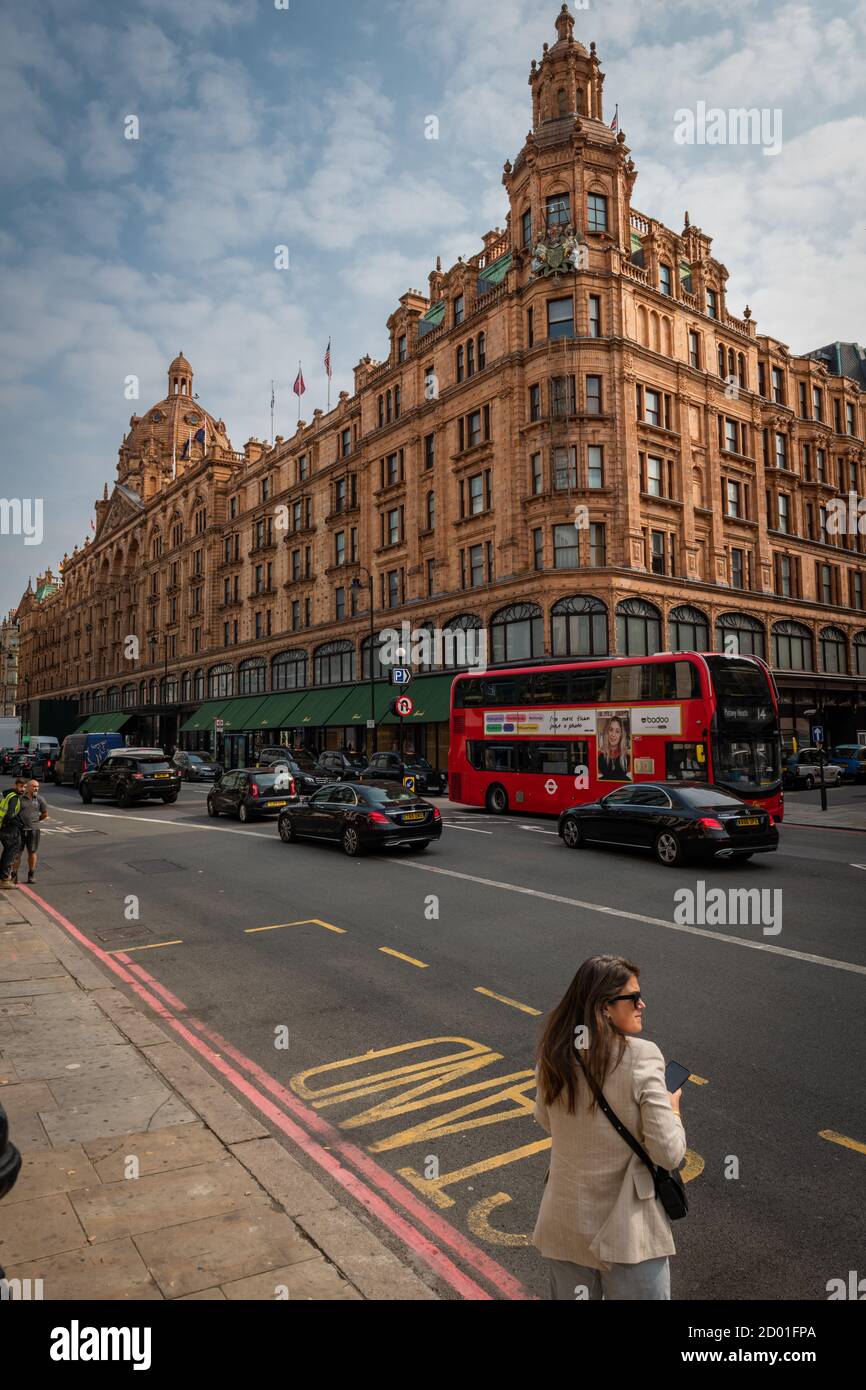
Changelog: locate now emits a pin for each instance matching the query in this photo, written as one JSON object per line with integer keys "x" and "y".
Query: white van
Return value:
{"x": 43, "y": 743}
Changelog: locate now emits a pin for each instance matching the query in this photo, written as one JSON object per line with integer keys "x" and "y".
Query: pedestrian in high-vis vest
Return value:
{"x": 11, "y": 832}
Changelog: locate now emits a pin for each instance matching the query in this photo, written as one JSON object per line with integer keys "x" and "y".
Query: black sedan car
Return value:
{"x": 196, "y": 767}
{"x": 251, "y": 793}
{"x": 129, "y": 775}
{"x": 360, "y": 816}
{"x": 300, "y": 764}
{"x": 676, "y": 820}
{"x": 387, "y": 767}
{"x": 341, "y": 767}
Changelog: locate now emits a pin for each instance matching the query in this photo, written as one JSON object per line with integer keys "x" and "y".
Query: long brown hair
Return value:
{"x": 599, "y": 980}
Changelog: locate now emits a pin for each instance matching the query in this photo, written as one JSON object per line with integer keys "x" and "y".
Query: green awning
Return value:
{"x": 104, "y": 723}
{"x": 239, "y": 715}
{"x": 204, "y": 717}
{"x": 316, "y": 708}
{"x": 354, "y": 710}
{"x": 431, "y": 696}
{"x": 274, "y": 713}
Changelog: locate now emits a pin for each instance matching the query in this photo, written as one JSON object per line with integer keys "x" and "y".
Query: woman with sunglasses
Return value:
{"x": 601, "y": 1229}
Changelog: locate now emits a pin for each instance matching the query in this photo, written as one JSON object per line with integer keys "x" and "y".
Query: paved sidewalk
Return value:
{"x": 135, "y": 1186}
{"x": 845, "y": 817}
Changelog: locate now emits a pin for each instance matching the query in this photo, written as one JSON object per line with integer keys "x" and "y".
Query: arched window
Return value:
{"x": 482, "y": 351}
{"x": 379, "y": 671}
{"x": 168, "y": 690}
{"x": 113, "y": 700}
{"x": 742, "y": 378}
{"x": 689, "y": 630}
{"x": 732, "y": 364}
{"x": 579, "y": 627}
{"x": 860, "y": 653}
{"x": 153, "y": 691}
{"x": 721, "y": 361}
{"x": 638, "y": 628}
{"x": 289, "y": 671}
{"x": 334, "y": 663}
{"x": 221, "y": 682}
{"x": 253, "y": 676}
{"x": 518, "y": 633}
{"x": 99, "y": 701}
{"x": 186, "y": 687}
{"x": 198, "y": 685}
{"x": 739, "y": 634}
{"x": 792, "y": 647}
{"x": 464, "y": 641}
{"x": 142, "y": 692}
{"x": 128, "y": 697}
{"x": 834, "y": 651}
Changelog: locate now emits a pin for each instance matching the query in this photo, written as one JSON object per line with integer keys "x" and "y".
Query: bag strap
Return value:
{"x": 618, "y": 1124}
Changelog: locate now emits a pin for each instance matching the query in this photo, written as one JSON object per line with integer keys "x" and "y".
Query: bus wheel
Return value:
{"x": 497, "y": 800}
{"x": 572, "y": 834}
{"x": 667, "y": 849}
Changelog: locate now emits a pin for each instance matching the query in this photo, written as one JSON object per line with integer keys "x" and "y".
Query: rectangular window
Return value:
{"x": 340, "y": 548}
{"x": 652, "y": 407}
{"x": 339, "y": 603}
{"x": 303, "y": 468}
{"x": 459, "y": 309}
{"x": 392, "y": 474}
{"x": 781, "y": 450}
{"x": 560, "y": 318}
{"x": 476, "y": 494}
{"x": 564, "y": 468}
{"x": 657, "y": 549}
{"x": 476, "y": 566}
{"x": 345, "y": 443}
{"x": 594, "y": 316}
{"x": 598, "y": 544}
{"x": 402, "y": 348}
{"x": 596, "y": 220}
{"x": 461, "y": 363}
{"x": 595, "y": 466}
{"x": 593, "y": 395}
{"x": 296, "y": 614}
{"x": 562, "y": 395}
{"x": 431, "y": 578}
{"x": 526, "y": 225}
{"x": 565, "y": 548}
{"x": 783, "y": 512}
{"x": 694, "y": 349}
{"x": 530, "y": 327}
{"x": 821, "y": 465}
{"x": 762, "y": 380}
{"x": 538, "y": 548}
{"x": 558, "y": 210}
{"x": 825, "y": 578}
{"x": 737, "y": 570}
{"x": 712, "y": 304}
{"x": 733, "y": 499}
{"x": 849, "y": 419}
{"x": 537, "y": 476}
{"x": 732, "y": 440}
{"x": 778, "y": 386}
{"x": 393, "y": 588}
{"x": 665, "y": 282}
{"x": 655, "y": 477}
{"x": 429, "y": 450}
{"x": 534, "y": 403}
{"x": 474, "y": 428}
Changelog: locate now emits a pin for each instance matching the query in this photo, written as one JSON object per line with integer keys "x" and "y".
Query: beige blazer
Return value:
{"x": 599, "y": 1205}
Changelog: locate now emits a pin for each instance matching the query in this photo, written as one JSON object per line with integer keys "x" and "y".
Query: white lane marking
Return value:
{"x": 452, "y": 825}
{"x": 857, "y": 866}
{"x": 173, "y": 824}
{"x": 537, "y": 830}
{"x": 636, "y": 917}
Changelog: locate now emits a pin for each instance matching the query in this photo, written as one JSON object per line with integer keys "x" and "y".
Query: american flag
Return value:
{"x": 328, "y": 360}
{"x": 614, "y": 125}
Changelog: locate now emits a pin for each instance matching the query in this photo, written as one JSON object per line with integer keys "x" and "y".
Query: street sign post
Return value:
{"x": 404, "y": 707}
{"x": 218, "y": 726}
{"x": 817, "y": 734}
{"x": 818, "y": 742}
{"x": 400, "y": 676}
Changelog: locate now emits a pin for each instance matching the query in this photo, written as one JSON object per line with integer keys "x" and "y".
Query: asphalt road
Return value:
{"x": 455, "y": 954}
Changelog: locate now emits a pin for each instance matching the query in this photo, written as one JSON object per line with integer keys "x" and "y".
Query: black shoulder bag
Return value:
{"x": 669, "y": 1186}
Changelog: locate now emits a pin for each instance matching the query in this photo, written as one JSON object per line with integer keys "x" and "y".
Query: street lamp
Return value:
{"x": 370, "y": 742}
{"x": 154, "y": 643}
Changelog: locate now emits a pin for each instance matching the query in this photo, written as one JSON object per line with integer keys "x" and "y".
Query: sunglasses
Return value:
{"x": 635, "y": 998}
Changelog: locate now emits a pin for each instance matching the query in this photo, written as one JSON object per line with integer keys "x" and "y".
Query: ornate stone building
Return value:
{"x": 8, "y": 665}
{"x": 572, "y": 443}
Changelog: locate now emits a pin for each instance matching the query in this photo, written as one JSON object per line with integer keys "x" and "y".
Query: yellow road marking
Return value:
{"x": 479, "y": 1224}
{"x": 386, "y": 950}
{"x": 524, "y": 1008}
{"x": 843, "y": 1140}
{"x": 433, "y": 1188}
{"x": 154, "y": 946}
{"x": 694, "y": 1166}
{"x": 699, "y": 1081}
{"x": 307, "y": 922}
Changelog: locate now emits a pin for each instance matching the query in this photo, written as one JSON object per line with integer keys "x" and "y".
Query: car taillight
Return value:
{"x": 710, "y": 823}
{"x": 378, "y": 818}
{"x": 437, "y": 814}
{"x": 138, "y": 776}
{"x": 293, "y": 791}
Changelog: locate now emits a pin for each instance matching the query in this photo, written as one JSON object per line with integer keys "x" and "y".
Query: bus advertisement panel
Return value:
{"x": 542, "y": 738}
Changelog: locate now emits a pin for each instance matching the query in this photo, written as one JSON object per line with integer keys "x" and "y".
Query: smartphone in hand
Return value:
{"x": 676, "y": 1075}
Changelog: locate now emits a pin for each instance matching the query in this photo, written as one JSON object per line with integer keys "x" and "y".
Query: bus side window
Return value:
{"x": 685, "y": 762}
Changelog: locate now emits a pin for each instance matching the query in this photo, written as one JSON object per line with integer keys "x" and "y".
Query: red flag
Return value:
{"x": 299, "y": 388}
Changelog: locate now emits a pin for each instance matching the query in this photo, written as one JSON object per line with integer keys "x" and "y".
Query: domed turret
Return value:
{"x": 180, "y": 377}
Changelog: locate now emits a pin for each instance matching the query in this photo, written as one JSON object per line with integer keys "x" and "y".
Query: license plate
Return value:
{"x": 752, "y": 821}
{"x": 271, "y": 804}
{"x": 161, "y": 776}
{"x": 414, "y": 815}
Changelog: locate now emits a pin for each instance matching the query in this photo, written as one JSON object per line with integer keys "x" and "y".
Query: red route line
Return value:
{"x": 414, "y": 1239}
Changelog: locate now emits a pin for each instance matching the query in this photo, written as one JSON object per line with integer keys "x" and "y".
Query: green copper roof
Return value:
{"x": 494, "y": 274}
{"x": 434, "y": 317}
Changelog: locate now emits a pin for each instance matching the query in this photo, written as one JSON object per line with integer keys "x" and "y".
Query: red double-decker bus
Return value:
{"x": 544, "y": 737}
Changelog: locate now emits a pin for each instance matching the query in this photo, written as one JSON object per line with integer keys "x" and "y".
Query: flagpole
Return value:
{"x": 329, "y": 373}
{"x": 299, "y": 393}
{"x": 272, "y": 410}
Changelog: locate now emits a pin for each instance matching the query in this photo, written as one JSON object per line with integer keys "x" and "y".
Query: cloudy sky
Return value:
{"x": 262, "y": 125}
